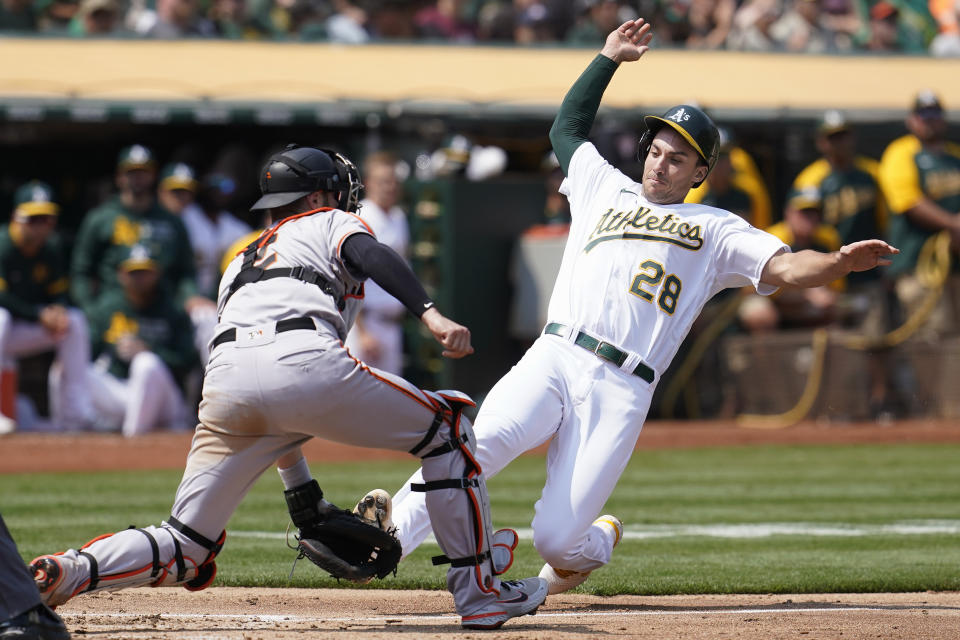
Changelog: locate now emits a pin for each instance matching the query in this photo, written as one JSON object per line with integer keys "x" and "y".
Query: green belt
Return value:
{"x": 603, "y": 349}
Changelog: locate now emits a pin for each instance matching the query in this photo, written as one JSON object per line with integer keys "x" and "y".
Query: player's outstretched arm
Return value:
{"x": 579, "y": 107}
{"x": 813, "y": 268}
{"x": 454, "y": 337}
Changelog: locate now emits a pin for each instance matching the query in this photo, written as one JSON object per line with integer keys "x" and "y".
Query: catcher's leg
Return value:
{"x": 171, "y": 554}
{"x": 459, "y": 511}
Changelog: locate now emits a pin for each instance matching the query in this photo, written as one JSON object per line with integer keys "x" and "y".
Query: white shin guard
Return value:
{"x": 458, "y": 504}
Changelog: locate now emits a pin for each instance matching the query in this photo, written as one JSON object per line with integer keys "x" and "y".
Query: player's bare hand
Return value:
{"x": 453, "y": 337}
{"x": 55, "y": 320}
{"x": 628, "y": 42}
{"x": 867, "y": 254}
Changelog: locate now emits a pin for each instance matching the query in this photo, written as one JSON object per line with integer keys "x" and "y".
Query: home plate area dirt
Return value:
{"x": 232, "y": 613}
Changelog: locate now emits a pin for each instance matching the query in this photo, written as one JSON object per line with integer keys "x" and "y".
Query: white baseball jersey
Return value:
{"x": 209, "y": 239}
{"x": 383, "y": 314}
{"x": 308, "y": 239}
{"x": 391, "y": 229}
{"x": 637, "y": 274}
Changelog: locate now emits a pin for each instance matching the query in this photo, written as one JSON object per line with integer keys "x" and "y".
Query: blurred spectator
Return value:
{"x": 852, "y": 202}
{"x": 799, "y": 30}
{"x": 533, "y": 23}
{"x": 597, "y": 19}
{"x": 752, "y": 25}
{"x": 347, "y": 23}
{"x": 793, "y": 308}
{"x": 211, "y": 230}
{"x": 55, "y": 16}
{"x": 232, "y": 20}
{"x": 393, "y": 20}
{"x": 746, "y": 178}
{"x": 900, "y": 25}
{"x": 672, "y": 20}
{"x": 843, "y": 22}
{"x": 710, "y": 23}
{"x": 377, "y": 334}
{"x": 175, "y": 19}
{"x": 854, "y": 206}
{"x": 34, "y": 312}
{"x": 459, "y": 156}
{"x": 947, "y": 15}
{"x": 97, "y": 18}
{"x": 132, "y": 217}
{"x": 444, "y": 20}
{"x": 17, "y": 15}
{"x": 721, "y": 187}
{"x": 920, "y": 177}
{"x": 143, "y": 345}
{"x": 495, "y": 22}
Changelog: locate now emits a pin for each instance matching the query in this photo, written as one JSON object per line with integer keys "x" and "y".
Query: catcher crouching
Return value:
{"x": 278, "y": 374}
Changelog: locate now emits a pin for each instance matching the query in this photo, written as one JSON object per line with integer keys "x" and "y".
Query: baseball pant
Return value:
{"x": 70, "y": 405}
{"x": 590, "y": 411}
{"x": 147, "y": 399}
{"x": 265, "y": 394}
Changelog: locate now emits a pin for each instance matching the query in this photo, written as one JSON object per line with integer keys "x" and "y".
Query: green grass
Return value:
{"x": 829, "y": 485}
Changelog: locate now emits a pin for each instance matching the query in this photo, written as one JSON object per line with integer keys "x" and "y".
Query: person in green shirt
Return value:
{"x": 143, "y": 345}
{"x": 34, "y": 312}
{"x": 920, "y": 178}
{"x": 135, "y": 217}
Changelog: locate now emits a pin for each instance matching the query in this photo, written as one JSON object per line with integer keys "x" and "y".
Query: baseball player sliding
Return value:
{"x": 278, "y": 374}
{"x": 637, "y": 269}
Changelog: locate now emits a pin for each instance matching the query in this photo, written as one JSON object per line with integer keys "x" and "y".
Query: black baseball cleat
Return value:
{"x": 39, "y": 623}
{"x": 517, "y": 598}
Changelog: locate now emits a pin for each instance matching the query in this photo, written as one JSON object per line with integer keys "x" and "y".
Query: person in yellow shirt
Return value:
{"x": 746, "y": 178}
{"x": 801, "y": 228}
{"x": 920, "y": 178}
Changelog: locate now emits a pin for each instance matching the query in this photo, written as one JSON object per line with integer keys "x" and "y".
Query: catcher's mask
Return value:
{"x": 299, "y": 171}
{"x": 694, "y": 125}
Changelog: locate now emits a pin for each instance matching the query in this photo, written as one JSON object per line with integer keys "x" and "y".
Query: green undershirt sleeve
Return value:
{"x": 579, "y": 108}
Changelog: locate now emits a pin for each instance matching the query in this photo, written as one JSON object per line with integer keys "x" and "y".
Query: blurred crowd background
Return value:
{"x": 115, "y": 233}
{"x": 811, "y": 26}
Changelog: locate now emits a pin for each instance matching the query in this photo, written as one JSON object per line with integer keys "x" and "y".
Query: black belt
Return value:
{"x": 603, "y": 349}
{"x": 282, "y": 325}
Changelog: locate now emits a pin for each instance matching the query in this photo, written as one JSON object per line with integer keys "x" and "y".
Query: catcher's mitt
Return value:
{"x": 345, "y": 546}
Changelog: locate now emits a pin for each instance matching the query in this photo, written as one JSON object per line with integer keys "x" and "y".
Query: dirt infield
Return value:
{"x": 281, "y": 614}
{"x": 99, "y": 452}
{"x": 286, "y": 614}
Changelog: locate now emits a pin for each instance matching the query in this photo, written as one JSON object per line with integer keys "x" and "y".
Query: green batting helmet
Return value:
{"x": 694, "y": 125}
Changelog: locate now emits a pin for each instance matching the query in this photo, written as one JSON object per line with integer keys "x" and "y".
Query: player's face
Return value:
{"x": 671, "y": 168}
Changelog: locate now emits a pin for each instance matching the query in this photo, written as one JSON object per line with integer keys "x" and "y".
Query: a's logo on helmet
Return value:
{"x": 679, "y": 115}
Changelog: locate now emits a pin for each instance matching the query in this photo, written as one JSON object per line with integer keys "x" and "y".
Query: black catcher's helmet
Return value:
{"x": 298, "y": 171}
{"x": 694, "y": 125}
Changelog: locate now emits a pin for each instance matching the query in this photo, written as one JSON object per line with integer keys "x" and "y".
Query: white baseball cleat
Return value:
{"x": 376, "y": 508}
{"x": 560, "y": 580}
{"x": 502, "y": 544}
{"x": 517, "y": 598}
